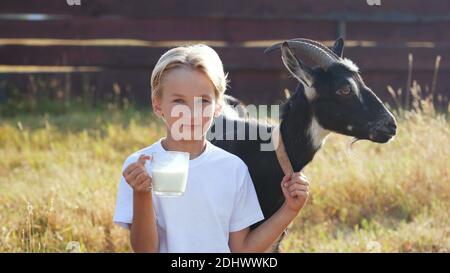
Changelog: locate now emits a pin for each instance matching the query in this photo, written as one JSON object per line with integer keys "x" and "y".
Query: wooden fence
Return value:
{"x": 111, "y": 46}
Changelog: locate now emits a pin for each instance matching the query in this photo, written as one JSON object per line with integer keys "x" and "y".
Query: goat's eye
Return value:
{"x": 344, "y": 91}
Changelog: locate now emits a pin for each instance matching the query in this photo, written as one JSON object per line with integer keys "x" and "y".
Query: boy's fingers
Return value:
{"x": 295, "y": 187}
{"x": 287, "y": 184}
{"x": 286, "y": 179}
{"x": 140, "y": 162}
{"x": 295, "y": 182}
{"x": 141, "y": 177}
{"x": 301, "y": 176}
{"x": 129, "y": 169}
{"x": 144, "y": 185}
{"x": 296, "y": 178}
{"x": 142, "y": 158}
{"x": 299, "y": 193}
{"x": 135, "y": 173}
{"x": 141, "y": 182}
{"x": 300, "y": 180}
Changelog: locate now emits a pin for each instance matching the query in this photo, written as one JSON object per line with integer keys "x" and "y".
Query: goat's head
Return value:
{"x": 339, "y": 99}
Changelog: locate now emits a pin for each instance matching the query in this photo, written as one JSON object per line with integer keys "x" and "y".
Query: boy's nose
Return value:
{"x": 196, "y": 121}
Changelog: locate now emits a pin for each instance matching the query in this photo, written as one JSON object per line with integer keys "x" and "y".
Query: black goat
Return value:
{"x": 331, "y": 97}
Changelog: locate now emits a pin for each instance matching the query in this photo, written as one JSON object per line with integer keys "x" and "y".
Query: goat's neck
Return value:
{"x": 302, "y": 135}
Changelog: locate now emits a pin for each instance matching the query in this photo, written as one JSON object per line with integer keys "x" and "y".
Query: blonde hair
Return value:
{"x": 198, "y": 56}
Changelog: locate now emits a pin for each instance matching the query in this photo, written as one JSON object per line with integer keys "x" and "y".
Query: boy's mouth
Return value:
{"x": 192, "y": 126}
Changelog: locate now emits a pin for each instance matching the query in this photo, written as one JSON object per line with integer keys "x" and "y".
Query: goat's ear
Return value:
{"x": 297, "y": 68}
{"x": 338, "y": 47}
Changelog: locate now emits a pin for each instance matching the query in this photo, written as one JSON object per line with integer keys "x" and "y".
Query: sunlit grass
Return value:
{"x": 58, "y": 182}
{"x": 59, "y": 175}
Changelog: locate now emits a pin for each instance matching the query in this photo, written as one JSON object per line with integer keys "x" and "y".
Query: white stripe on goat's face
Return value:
{"x": 317, "y": 133}
{"x": 354, "y": 87}
{"x": 310, "y": 93}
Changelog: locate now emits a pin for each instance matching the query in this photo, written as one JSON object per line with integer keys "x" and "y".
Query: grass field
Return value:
{"x": 59, "y": 175}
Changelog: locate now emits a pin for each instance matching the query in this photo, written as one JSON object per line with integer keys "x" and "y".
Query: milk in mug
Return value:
{"x": 169, "y": 182}
{"x": 169, "y": 173}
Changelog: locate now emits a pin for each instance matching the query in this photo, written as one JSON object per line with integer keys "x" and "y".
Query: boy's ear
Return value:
{"x": 156, "y": 105}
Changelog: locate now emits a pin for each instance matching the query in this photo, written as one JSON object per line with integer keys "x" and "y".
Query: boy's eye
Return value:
{"x": 182, "y": 101}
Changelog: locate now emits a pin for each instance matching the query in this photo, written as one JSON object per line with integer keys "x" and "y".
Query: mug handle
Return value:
{"x": 147, "y": 166}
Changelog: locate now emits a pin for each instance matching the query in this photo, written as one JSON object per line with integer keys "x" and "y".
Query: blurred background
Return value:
{"x": 103, "y": 49}
{"x": 75, "y": 102}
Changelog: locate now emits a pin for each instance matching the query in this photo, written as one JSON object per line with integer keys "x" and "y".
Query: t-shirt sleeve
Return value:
{"x": 123, "y": 215}
{"x": 246, "y": 208}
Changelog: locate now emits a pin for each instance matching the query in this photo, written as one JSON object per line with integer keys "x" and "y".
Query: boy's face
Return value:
{"x": 188, "y": 103}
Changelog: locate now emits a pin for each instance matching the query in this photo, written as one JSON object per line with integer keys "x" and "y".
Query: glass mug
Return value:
{"x": 169, "y": 172}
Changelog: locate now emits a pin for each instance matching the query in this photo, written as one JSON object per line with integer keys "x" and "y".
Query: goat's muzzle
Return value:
{"x": 383, "y": 131}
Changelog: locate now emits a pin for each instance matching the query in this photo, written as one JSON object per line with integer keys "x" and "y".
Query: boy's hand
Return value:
{"x": 136, "y": 175}
{"x": 295, "y": 190}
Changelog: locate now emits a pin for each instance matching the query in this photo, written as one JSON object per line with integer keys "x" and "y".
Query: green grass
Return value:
{"x": 59, "y": 175}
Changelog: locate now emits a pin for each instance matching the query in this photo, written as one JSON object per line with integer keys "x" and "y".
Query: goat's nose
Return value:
{"x": 391, "y": 125}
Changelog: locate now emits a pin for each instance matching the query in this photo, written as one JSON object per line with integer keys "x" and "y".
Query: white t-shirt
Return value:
{"x": 220, "y": 198}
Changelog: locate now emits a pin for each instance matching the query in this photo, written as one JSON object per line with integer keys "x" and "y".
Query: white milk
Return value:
{"x": 169, "y": 172}
{"x": 169, "y": 182}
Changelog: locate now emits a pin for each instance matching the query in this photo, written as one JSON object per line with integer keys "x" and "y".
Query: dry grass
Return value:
{"x": 59, "y": 174}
